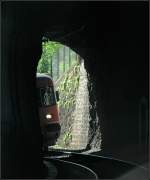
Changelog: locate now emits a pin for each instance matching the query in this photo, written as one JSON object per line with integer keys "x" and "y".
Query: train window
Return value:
{"x": 46, "y": 96}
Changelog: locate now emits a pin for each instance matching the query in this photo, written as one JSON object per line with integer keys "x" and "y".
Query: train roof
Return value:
{"x": 42, "y": 75}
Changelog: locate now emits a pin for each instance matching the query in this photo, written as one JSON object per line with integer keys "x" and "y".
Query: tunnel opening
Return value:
{"x": 72, "y": 82}
{"x": 119, "y": 67}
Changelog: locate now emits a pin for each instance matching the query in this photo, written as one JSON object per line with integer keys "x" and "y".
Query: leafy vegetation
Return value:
{"x": 67, "y": 138}
{"x": 48, "y": 50}
{"x": 68, "y": 87}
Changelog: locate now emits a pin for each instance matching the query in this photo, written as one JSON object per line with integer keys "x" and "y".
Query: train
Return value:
{"x": 48, "y": 109}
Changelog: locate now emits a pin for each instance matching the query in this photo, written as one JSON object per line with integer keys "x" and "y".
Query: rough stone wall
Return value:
{"x": 80, "y": 126}
{"x": 76, "y": 120}
{"x": 67, "y": 88}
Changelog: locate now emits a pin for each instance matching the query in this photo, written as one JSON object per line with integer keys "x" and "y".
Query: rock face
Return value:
{"x": 113, "y": 41}
{"x": 81, "y": 123}
{"x": 80, "y": 127}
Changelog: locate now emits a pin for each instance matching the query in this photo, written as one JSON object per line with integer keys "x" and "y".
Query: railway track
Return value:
{"x": 60, "y": 169}
{"x": 69, "y": 165}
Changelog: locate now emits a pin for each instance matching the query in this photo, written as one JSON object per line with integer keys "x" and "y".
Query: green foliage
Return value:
{"x": 68, "y": 88}
{"x": 67, "y": 138}
{"x": 48, "y": 50}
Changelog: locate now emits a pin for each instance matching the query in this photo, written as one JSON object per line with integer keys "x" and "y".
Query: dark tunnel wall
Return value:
{"x": 114, "y": 43}
{"x": 21, "y": 154}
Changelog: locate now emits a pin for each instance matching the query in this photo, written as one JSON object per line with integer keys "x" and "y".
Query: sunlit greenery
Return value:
{"x": 48, "y": 50}
{"x": 67, "y": 89}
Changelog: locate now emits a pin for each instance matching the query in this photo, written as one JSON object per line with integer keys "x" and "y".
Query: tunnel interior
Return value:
{"x": 113, "y": 42}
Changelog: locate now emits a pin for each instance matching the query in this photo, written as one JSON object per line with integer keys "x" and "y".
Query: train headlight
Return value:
{"x": 48, "y": 116}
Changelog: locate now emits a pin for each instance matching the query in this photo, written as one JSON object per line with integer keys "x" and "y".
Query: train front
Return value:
{"x": 48, "y": 110}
